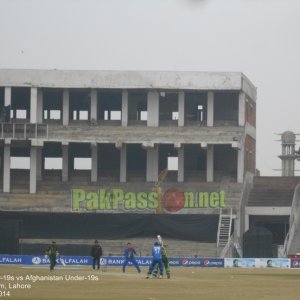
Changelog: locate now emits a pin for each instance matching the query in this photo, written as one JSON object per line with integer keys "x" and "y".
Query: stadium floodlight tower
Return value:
{"x": 289, "y": 155}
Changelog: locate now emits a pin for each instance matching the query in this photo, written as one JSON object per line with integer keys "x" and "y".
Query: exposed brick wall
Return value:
{"x": 250, "y": 154}
{"x": 250, "y": 112}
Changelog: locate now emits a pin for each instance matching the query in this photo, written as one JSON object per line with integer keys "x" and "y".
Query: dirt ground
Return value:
{"x": 193, "y": 283}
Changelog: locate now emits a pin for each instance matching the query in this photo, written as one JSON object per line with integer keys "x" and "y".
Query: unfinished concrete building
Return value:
{"x": 66, "y": 132}
{"x": 274, "y": 200}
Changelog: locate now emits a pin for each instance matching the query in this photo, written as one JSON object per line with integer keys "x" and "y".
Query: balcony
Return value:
{"x": 23, "y": 131}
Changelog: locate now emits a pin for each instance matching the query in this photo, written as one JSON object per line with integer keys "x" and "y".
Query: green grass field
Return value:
{"x": 186, "y": 283}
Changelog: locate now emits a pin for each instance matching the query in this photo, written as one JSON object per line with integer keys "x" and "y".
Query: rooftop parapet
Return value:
{"x": 178, "y": 80}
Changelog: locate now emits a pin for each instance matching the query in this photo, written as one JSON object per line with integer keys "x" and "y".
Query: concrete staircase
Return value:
{"x": 270, "y": 197}
{"x": 292, "y": 241}
{"x": 295, "y": 244}
{"x": 273, "y": 191}
{"x": 55, "y": 195}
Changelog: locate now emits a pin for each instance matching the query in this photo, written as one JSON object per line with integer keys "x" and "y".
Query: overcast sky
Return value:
{"x": 260, "y": 38}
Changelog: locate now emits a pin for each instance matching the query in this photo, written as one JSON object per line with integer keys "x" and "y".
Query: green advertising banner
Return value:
{"x": 172, "y": 200}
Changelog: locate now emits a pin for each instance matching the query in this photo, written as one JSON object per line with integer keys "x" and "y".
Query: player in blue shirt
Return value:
{"x": 129, "y": 257}
{"x": 156, "y": 259}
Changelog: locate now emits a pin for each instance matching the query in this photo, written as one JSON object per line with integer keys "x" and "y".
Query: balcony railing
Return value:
{"x": 23, "y": 130}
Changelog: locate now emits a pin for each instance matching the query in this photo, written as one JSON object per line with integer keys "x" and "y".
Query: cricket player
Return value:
{"x": 96, "y": 253}
{"x": 129, "y": 257}
{"x": 165, "y": 261}
{"x": 52, "y": 253}
{"x": 156, "y": 259}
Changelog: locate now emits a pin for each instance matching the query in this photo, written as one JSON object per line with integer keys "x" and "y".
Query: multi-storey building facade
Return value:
{"x": 129, "y": 123}
{"x": 121, "y": 128}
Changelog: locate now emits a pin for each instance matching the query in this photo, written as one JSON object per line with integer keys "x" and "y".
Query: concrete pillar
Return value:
{"x": 94, "y": 106}
{"x": 65, "y": 162}
{"x": 94, "y": 157}
{"x": 237, "y": 228}
{"x": 33, "y": 165}
{"x": 210, "y": 109}
{"x": 39, "y": 163}
{"x": 288, "y": 166}
{"x": 123, "y": 163}
{"x": 247, "y": 222}
{"x": 66, "y": 107}
{"x": 7, "y": 96}
{"x": 124, "y": 108}
{"x": 33, "y": 105}
{"x": 40, "y": 112}
{"x": 240, "y": 164}
{"x": 152, "y": 164}
{"x": 6, "y": 168}
{"x": 153, "y": 109}
{"x": 210, "y": 163}
{"x": 181, "y": 164}
{"x": 242, "y": 109}
{"x": 181, "y": 108}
